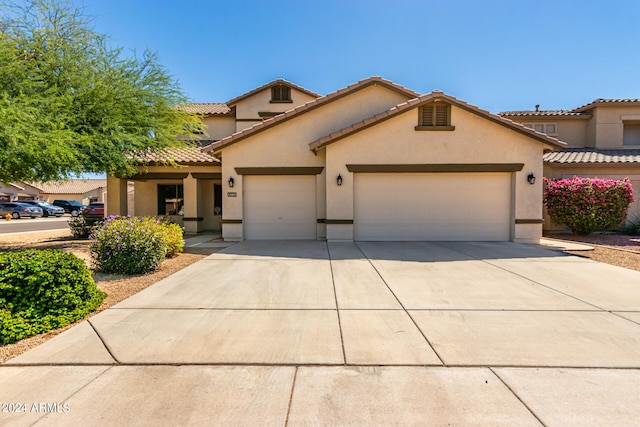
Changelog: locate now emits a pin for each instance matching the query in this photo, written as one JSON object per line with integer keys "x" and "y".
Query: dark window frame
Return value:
{"x": 281, "y": 94}
{"x": 173, "y": 192}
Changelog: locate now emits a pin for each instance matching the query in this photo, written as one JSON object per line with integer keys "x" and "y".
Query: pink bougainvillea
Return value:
{"x": 588, "y": 204}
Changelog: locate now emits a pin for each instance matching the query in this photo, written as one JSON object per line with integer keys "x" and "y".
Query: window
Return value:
{"x": 435, "y": 116}
{"x": 548, "y": 128}
{"x": 281, "y": 93}
{"x": 631, "y": 134}
{"x": 170, "y": 199}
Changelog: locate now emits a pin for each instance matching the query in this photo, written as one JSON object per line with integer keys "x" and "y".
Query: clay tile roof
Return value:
{"x": 607, "y": 102}
{"x": 543, "y": 113}
{"x": 592, "y": 156}
{"x": 266, "y": 124}
{"x": 424, "y": 99}
{"x": 207, "y": 108}
{"x": 177, "y": 154}
{"x": 276, "y": 82}
{"x": 73, "y": 186}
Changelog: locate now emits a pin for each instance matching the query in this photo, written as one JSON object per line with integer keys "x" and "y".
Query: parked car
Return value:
{"x": 47, "y": 208}
{"x": 19, "y": 210}
{"x": 94, "y": 211}
{"x": 70, "y": 206}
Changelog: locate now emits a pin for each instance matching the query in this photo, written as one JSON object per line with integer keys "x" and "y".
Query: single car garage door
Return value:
{"x": 279, "y": 207}
{"x": 432, "y": 206}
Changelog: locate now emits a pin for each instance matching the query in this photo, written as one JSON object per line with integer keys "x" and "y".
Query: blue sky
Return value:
{"x": 499, "y": 55}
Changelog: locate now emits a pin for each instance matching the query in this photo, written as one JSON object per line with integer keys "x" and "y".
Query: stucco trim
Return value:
{"x": 339, "y": 221}
{"x": 158, "y": 175}
{"x": 321, "y": 221}
{"x": 232, "y": 221}
{"x": 438, "y": 167}
{"x": 193, "y": 219}
{"x": 302, "y": 170}
{"x": 529, "y": 221}
{"x": 206, "y": 175}
{"x": 435, "y": 128}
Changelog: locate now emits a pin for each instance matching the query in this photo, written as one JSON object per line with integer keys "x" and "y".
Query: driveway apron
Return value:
{"x": 312, "y": 332}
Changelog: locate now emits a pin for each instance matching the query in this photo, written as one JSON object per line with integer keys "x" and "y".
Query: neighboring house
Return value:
{"x": 17, "y": 191}
{"x": 372, "y": 161}
{"x": 603, "y": 140}
{"x": 84, "y": 191}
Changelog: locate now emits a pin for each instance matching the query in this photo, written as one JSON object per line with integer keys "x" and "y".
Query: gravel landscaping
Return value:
{"x": 615, "y": 249}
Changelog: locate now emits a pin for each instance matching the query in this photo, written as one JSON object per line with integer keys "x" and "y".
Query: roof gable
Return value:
{"x": 316, "y": 103}
{"x": 425, "y": 99}
{"x": 269, "y": 85}
{"x": 608, "y": 102}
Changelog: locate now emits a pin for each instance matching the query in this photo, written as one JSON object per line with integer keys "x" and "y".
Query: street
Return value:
{"x": 39, "y": 224}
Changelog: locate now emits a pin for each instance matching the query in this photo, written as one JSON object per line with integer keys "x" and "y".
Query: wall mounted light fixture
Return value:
{"x": 231, "y": 182}
{"x": 531, "y": 178}
{"x": 339, "y": 180}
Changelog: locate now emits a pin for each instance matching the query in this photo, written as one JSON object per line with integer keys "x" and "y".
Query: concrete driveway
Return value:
{"x": 300, "y": 333}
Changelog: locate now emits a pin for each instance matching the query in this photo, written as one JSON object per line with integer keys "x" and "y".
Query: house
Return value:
{"x": 84, "y": 191}
{"x": 603, "y": 140}
{"x": 372, "y": 161}
{"x": 17, "y": 191}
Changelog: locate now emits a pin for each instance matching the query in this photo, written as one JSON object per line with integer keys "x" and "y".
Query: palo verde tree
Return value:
{"x": 70, "y": 103}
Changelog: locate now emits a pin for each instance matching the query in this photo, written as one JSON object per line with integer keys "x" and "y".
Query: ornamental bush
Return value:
{"x": 134, "y": 245}
{"x": 586, "y": 205}
{"x": 81, "y": 227}
{"x": 42, "y": 290}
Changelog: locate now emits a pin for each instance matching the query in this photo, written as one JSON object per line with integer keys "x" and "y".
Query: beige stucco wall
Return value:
{"x": 573, "y": 131}
{"x": 286, "y": 145}
{"x": 606, "y": 128}
{"x": 475, "y": 140}
{"x": 249, "y": 107}
{"x": 217, "y": 128}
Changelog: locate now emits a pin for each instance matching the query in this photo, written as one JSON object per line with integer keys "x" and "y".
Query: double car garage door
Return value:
{"x": 387, "y": 206}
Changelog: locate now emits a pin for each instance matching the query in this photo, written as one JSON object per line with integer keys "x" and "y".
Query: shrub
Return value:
{"x": 134, "y": 245}
{"x": 81, "y": 227}
{"x": 173, "y": 235}
{"x": 42, "y": 290}
{"x": 586, "y": 205}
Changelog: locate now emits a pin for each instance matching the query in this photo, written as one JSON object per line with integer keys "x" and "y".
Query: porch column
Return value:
{"x": 116, "y": 196}
{"x": 191, "y": 201}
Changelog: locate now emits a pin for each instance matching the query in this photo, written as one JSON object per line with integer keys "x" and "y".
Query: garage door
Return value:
{"x": 280, "y": 207}
{"x": 440, "y": 206}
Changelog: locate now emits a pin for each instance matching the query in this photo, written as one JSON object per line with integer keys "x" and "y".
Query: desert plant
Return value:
{"x": 586, "y": 205}
{"x": 632, "y": 226}
{"x": 81, "y": 227}
{"x": 42, "y": 290}
{"x": 134, "y": 245}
